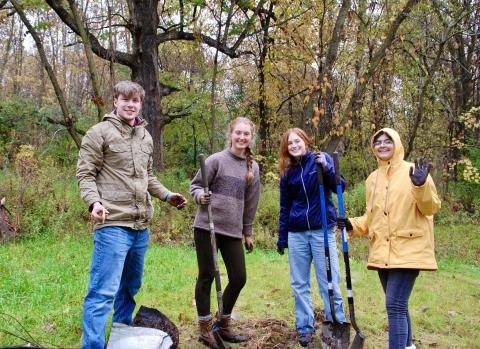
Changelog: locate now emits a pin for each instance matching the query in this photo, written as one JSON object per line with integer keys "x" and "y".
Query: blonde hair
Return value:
{"x": 285, "y": 159}
{"x": 128, "y": 89}
{"x": 248, "y": 151}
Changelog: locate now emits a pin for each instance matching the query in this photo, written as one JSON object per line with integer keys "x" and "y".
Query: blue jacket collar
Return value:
{"x": 303, "y": 160}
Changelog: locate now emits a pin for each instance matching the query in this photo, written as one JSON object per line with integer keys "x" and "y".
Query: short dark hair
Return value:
{"x": 377, "y": 136}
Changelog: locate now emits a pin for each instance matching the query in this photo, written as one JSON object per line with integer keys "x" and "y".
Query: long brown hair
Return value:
{"x": 285, "y": 159}
{"x": 248, "y": 151}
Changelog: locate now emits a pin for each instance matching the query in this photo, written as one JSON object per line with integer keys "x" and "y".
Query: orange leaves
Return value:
{"x": 98, "y": 100}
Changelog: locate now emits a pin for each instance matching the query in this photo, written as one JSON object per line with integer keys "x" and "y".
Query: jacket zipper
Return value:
{"x": 305, "y": 191}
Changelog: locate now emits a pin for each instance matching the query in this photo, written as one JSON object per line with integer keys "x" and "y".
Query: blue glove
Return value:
{"x": 420, "y": 174}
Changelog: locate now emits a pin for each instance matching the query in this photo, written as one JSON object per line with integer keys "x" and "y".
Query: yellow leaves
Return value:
{"x": 470, "y": 173}
{"x": 471, "y": 119}
{"x": 25, "y": 161}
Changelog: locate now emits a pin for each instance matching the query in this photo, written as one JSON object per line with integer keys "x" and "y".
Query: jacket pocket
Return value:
{"x": 118, "y": 156}
{"x": 118, "y": 147}
{"x": 144, "y": 155}
{"x": 410, "y": 233}
{"x": 119, "y": 204}
{"x": 117, "y": 196}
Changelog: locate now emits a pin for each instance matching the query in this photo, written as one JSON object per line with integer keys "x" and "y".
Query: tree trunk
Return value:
{"x": 97, "y": 99}
{"x": 264, "y": 127}
{"x": 6, "y": 54}
{"x": 69, "y": 122}
{"x": 145, "y": 20}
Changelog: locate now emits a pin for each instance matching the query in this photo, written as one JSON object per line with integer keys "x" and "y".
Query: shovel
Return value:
{"x": 359, "y": 336}
{"x": 335, "y": 335}
{"x": 213, "y": 243}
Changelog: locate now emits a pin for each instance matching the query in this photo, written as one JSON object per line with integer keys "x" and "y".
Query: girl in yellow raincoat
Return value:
{"x": 401, "y": 200}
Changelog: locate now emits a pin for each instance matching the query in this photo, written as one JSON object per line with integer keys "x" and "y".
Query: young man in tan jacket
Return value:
{"x": 116, "y": 180}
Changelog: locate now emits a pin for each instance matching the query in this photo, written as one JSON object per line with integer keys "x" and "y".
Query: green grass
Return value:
{"x": 44, "y": 281}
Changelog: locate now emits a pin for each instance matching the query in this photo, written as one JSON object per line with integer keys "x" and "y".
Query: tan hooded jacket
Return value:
{"x": 115, "y": 167}
{"x": 399, "y": 216}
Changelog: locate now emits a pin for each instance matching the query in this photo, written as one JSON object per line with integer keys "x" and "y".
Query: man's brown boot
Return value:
{"x": 227, "y": 333}
{"x": 206, "y": 333}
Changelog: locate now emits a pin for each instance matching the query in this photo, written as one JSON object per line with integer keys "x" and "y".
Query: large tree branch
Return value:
{"x": 97, "y": 47}
{"x": 178, "y": 35}
{"x": 377, "y": 58}
{"x": 335, "y": 40}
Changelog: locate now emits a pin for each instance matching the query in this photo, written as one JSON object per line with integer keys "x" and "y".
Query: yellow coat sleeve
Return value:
{"x": 360, "y": 226}
{"x": 426, "y": 198}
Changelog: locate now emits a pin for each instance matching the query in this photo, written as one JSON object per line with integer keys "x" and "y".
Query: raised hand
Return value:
{"x": 419, "y": 174}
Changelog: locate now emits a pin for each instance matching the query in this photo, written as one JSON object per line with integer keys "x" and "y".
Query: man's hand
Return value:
{"x": 344, "y": 222}
{"x": 177, "y": 200}
{"x": 281, "y": 250}
{"x": 420, "y": 174}
{"x": 321, "y": 159}
{"x": 248, "y": 243}
{"x": 99, "y": 213}
{"x": 205, "y": 198}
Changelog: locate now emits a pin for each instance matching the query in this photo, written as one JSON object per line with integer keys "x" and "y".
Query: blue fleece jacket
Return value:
{"x": 300, "y": 197}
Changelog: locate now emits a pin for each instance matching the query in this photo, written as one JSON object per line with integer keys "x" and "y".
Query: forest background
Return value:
{"x": 338, "y": 69}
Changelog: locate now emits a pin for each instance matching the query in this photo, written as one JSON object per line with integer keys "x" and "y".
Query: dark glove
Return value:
{"x": 344, "y": 222}
{"x": 281, "y": 246}
{"x": 420, "y": 174}
{"x": 321, "y": 160}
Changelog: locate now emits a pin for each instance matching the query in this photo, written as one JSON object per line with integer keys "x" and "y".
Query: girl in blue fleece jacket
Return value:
{"x": 300, "y": 227}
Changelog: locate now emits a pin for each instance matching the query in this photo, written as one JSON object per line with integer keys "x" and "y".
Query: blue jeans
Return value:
{"x": 115, "y": 277}
{"x": 397, "y": 285}
{"x": 303, "y": 247}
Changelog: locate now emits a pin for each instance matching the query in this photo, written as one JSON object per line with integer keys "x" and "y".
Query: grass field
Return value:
{"x": 43, "y": 282}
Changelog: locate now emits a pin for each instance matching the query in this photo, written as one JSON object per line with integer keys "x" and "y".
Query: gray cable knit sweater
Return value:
{"x": 233, "y": 201}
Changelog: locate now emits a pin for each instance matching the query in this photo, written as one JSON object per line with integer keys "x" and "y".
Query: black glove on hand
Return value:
{"x": 420, "y": 174}
{"x": 281, "y": 250}
{"x": 344, "y": 222}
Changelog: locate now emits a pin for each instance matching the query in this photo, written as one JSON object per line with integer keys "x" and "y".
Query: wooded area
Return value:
{"x": 339, "y": 69}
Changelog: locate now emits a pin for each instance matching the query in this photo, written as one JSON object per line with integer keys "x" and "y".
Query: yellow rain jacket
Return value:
{"x": 399, "y": 216}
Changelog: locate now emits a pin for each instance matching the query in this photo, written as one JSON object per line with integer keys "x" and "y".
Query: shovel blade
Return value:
{"x": 358, "y": 341}
{"x": 335, "y": 335}
{"x": 221, "y": 344}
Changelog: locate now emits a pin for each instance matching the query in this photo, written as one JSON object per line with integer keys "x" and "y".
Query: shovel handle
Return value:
{"x": 338, "y": 173}
{"x": 203, "y": 171}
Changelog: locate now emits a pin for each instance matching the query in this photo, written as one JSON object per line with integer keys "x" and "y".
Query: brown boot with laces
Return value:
{"x": 227, "y": 333}
{"x": 206, "y": 333}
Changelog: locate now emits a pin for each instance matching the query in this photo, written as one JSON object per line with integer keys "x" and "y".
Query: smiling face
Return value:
{"x": 240, "y": 137}
{"x": 128, "y": 108}
{"x": 296, "y": 145}
{"x": 383, "y": 147}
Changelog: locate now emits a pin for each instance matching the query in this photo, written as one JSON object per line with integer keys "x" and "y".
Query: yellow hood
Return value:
{"x": 399, "y": 151}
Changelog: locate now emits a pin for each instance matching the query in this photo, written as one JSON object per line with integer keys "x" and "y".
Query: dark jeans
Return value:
{"x": 397, "y": 285}
{"x": 234, "y": 258}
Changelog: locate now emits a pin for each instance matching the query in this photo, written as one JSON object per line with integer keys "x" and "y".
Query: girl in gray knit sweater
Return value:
{"x": 234, "y": 181}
